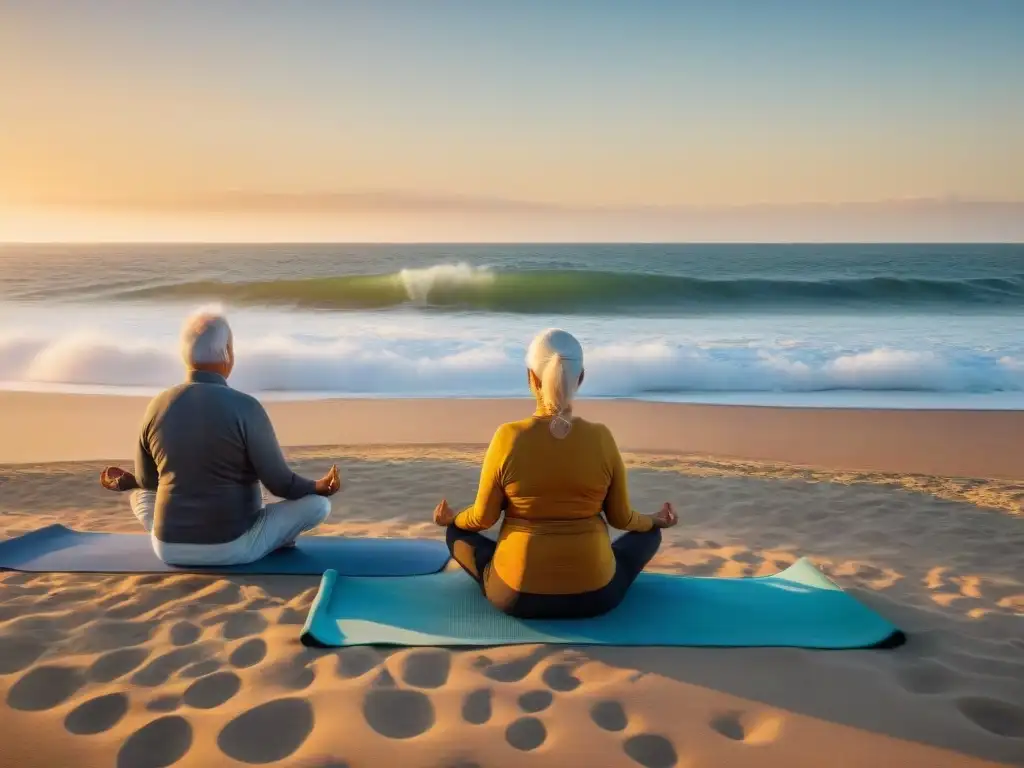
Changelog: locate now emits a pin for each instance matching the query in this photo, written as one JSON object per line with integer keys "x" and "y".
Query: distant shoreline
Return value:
{"x": 854, "y": 400}
{"x": 40, "y": 427}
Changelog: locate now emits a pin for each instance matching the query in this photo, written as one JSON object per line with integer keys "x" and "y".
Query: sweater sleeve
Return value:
{"x": 617, "y": 509}
{"x": 268, "y": 460}
{"x": 145, "y": 466}
{"x": 490, "y": 495}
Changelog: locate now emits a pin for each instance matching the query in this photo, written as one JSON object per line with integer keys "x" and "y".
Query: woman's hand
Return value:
{"x": 330, "y": 483}
{"x": 666, "y": 516}
{"x": 443, "y": 514}
{"x": 117, "y": 479}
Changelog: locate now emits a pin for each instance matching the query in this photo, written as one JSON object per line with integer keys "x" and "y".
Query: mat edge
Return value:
{"x": 893, "y": 640}
{"x": 46, "y": 532}
{"x": 308, "y": 636}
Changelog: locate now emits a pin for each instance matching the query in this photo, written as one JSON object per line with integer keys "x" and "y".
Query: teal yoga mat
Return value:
{"x": 798, "y": 608}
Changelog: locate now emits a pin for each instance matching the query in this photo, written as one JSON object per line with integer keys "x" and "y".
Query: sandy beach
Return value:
{"x": 779, "y": 254}
{"x": 918, "y": 514}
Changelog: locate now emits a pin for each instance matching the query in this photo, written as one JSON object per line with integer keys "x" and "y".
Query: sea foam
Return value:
{"x": 418, "y": 363}
{"x": 421, "y": 283}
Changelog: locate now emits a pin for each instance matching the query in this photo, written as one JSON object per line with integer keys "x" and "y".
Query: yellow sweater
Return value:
{"x": 552, "y": 491}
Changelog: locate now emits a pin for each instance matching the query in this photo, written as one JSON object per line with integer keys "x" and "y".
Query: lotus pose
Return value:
{"x": 553, "y": 475}
{"x": 203, "y": 451}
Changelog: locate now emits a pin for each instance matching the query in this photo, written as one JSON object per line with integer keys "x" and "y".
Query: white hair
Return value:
{"x": 556, "y": 359}
{"x": 205, "y": 339}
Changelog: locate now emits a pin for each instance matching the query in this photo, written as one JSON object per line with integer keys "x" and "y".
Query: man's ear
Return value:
{"x": 582, "y": 375}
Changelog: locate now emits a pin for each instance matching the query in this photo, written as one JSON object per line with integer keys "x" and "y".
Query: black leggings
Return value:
{"x": 474, "y": 553}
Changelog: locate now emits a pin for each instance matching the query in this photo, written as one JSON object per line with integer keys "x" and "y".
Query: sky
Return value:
{"x": 425, "y": 119}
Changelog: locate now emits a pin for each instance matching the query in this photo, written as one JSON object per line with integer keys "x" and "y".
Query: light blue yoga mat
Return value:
{"x": 56, "y": 549}
{"x": 798, "y": 608}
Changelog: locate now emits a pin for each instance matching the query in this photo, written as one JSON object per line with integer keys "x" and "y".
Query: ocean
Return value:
{"x": 813, "y": 325}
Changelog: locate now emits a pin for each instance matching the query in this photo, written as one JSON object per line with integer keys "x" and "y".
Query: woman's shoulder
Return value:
{"x": 595, "y": 427}
{"x": 512, "y": 431}
{"x": 590, "y": 431}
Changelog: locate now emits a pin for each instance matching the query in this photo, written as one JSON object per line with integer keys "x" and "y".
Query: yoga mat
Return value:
{"x": 798, "y": 608}
{"x": 59, "y": 549}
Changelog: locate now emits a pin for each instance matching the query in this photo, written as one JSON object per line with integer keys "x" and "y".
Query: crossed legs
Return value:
{"x": 474, "y": 552}
{"x": 277, "y": 525}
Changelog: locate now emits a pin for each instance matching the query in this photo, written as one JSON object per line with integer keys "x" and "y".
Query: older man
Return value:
{"x": 203, "y": 451}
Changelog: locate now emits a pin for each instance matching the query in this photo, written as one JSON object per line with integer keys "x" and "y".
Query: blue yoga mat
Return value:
{"x": 798, "y": 608}
{"x": 59, "y": 549}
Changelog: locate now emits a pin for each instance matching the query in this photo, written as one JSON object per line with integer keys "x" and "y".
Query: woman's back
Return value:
{"x": 553, "y": 491}
{"x": 550, "y": 479}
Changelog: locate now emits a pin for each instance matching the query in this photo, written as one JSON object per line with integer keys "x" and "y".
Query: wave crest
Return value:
{"x": 420, "y": 284}
{"x": 461, "y": 287}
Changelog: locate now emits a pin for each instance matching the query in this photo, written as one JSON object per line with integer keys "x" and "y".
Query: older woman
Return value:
{"x": 553, "y": 474}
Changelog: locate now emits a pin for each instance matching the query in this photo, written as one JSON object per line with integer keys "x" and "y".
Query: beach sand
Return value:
{"x": 191, "y": 670}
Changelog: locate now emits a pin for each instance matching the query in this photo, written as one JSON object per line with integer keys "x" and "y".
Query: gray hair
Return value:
{"x": 205, "y": 339}
{"x": 556, "y": 359}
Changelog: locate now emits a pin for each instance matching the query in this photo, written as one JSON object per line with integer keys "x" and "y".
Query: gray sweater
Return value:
{"x": 205, "y": 448}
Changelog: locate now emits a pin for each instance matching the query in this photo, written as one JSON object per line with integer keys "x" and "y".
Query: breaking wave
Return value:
{"x": 460, "y": 287}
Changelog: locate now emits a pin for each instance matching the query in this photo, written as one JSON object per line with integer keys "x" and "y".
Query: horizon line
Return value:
{"x": 507, "y": 243}
{"x": 410, "y": 202}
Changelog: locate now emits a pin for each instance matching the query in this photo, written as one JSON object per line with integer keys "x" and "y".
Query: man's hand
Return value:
{"x": 443, "y": 514}
{"x": 666, "y": 516}
{"x": 117, "y": 479}
{"x": 330, "y": 483}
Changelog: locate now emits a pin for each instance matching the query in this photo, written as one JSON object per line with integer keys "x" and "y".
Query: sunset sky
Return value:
{"x": 366, "y": 120}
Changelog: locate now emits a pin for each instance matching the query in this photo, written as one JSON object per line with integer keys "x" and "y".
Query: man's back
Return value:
{"x": 210, "y": 446}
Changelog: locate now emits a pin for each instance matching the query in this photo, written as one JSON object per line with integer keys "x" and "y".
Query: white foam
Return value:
{"x": 366, "y": 355}
{"x": 420, "y": 282}
{"x": 119, "y": 347}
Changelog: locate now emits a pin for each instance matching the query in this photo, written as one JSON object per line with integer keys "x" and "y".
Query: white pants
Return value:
{"x": 278, "y": 525}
